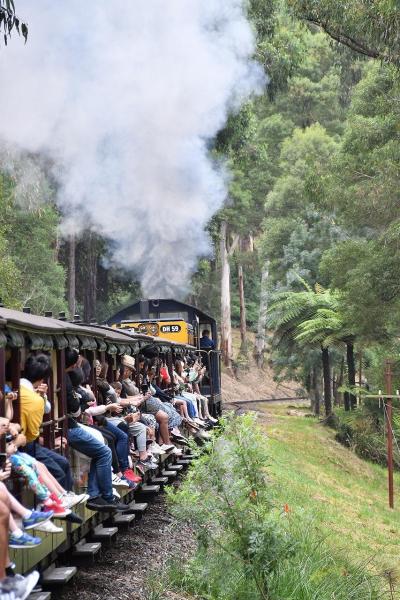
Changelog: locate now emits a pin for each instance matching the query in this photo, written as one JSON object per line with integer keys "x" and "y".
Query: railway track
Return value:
{"x": 266, "y": 400}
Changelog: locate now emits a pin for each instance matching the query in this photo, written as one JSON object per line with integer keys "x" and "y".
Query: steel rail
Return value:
{"x": 284, "y": 399}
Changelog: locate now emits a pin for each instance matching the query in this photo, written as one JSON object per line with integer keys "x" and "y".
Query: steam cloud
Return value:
{"x": 124, "y": 98}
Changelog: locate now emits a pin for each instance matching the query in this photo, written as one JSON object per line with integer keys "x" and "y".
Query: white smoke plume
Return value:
{"x": 124, "y": 98}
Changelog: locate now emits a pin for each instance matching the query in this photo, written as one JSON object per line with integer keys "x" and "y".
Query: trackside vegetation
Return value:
{"x": 251, "y": 542}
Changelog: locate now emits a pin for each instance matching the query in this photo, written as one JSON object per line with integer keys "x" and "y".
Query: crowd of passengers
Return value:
{"x": 120, "y": 429}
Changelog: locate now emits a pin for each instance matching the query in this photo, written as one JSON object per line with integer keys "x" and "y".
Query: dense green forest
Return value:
{"x": 311, "y": 219}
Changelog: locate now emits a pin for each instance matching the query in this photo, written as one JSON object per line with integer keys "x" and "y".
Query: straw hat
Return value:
{"x": 128, "y": 361}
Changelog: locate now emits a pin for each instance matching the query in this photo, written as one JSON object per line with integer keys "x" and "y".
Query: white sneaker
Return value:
{"x": 118, "y": 482}
{"x": 21, "y": 587}
{"x": 115, "y": 493}
{"x": 49, "y": 527}
{"x": 156, "y": 449}
{"x": 167, "y": 447}
{"x": 176, "y": 451}
{"x": 71, "y": 499}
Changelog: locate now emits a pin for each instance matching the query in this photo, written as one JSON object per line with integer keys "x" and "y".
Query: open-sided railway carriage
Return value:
{"x": 22, "y": 333}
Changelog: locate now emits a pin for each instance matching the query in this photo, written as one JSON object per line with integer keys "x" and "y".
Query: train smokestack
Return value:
{"x": 144, "y": 309}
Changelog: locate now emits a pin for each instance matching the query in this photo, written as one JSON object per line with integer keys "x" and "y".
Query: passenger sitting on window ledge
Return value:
{"x": 11, "y": 586}
{"x": 34, "y": 404}
{"x": 25, "y": 466}
{"x": 82, "y": 439}
{"x": 36, "y": 373}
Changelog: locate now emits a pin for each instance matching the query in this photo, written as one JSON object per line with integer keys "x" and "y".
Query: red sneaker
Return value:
{"x": 57, "y": 499}
{"x": 58, "y": 509}
{"x": 129, "y": 474}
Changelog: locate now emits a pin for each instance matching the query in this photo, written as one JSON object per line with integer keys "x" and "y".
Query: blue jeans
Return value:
{"x": 56, "y": 464}
{"x": 100, "y": 482}
{"x": 189, "y": 406}
{"x": 121, "y": 444}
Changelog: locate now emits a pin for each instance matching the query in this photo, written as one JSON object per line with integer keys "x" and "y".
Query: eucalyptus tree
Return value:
{"x": 368, "y": 28}
{"x": 9, "y": 21}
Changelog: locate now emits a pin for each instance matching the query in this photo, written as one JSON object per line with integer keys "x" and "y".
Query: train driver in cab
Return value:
{"x": 206, "y": 343}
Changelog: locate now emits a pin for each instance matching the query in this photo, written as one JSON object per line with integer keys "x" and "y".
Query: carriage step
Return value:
{"x": 176, "y": 467}
{"x": 136, "y": 508}
{"x": 189, "y": 456}
{"x": 184, "y": 462}
{"x": 39, "y": 595}
{"x": 149, "y": 489}
{"x": 124, "y": 520}
{"x": 86, "y": 549}
{"x": 169, "y": 473}
{"x": 58, "y": 575}
{"x": 104, "y": 534}
{"x": 161, "y": 481}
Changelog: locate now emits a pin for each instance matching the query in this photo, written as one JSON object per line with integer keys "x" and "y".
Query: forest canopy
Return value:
{"x": 312, "y": 200}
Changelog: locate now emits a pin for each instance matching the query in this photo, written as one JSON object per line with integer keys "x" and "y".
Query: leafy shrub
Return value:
{"x": 363, "y": 430}
{"x": 248, "y": 547}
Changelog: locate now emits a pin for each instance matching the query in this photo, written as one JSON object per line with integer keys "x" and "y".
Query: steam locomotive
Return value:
{"x": 179, "y": 323}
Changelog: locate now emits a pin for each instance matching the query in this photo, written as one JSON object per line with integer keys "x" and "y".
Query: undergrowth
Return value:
{"x": 363, "y": 431}
{"x": 248, "y": 546}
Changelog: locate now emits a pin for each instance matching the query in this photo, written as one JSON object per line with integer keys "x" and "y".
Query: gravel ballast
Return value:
{"x": 123, "y": 571}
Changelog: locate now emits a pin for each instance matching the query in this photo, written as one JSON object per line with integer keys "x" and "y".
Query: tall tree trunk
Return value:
{"x": 90, "y": 289}
{"x": 340, "y": 380}
{"x": 243, "y": 328}
{"x": 326, "y": 370}
{"x": 71, "y": 275}
{"x": 315, "y": 381}
{"x": 226, "y": 327}
{"x": 262, "y": 317}
{"x": 351, "y": 373}
{"x": 335, "y": 386}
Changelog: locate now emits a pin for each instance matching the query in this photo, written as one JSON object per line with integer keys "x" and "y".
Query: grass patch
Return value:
{"x": 344, "y": 495}
{"x": 259, "y": 540}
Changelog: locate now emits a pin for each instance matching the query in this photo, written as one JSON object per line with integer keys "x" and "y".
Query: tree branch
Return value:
{"x": 348, "y": 41}
{"x": 234, "y": 245}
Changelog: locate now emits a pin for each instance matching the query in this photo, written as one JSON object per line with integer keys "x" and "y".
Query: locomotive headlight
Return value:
{"x": 153, "y": 329}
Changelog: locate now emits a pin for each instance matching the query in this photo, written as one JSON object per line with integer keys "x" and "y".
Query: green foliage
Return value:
{"x": 368, "y": 28}
{"x": 363, "y": 431}
{"x": 248, "y": 546}
{"x": 9, "y": 21}
{"x": 295, "y": 231}
{"x": 33, "y": 276}
{"x": 10, "y": 276}
{"x": 364, "y": 194}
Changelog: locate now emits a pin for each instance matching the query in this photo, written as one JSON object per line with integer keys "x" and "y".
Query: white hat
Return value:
{"x": 128, "y": 361}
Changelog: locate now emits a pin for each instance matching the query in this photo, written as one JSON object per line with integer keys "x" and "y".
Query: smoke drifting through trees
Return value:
{"x": 124, "y": 99}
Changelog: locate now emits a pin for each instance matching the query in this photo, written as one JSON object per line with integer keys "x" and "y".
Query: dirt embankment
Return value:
{"x": 253, "y": 383}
